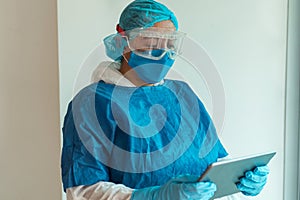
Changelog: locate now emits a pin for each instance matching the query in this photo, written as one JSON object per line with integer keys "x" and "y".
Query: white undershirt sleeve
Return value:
{"x": 100, "y": 191}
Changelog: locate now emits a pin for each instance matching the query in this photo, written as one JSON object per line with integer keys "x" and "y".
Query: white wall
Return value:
{"x": 29, "y": 101}
{"x": 245, "y": 39}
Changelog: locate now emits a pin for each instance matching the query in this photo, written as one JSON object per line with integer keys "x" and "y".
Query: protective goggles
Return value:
{"x": 154, "y": 43}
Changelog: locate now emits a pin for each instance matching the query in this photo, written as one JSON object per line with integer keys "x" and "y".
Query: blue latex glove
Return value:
{"x": 253, "y": 181}
{"x": 181, "y": 188}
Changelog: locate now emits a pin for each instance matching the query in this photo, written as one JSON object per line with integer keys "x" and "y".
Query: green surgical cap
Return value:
{"x": 145, "y": 13}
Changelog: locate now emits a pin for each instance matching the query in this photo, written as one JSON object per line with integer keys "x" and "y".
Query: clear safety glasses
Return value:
{"x": 154, "y": 43}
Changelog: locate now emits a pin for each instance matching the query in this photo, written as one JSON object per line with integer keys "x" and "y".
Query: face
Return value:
{"x": 168, "y": 24}
{"x": 142, "y": 43}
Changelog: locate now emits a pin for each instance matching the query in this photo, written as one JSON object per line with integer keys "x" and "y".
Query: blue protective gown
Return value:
{"x": 120, "y": 134}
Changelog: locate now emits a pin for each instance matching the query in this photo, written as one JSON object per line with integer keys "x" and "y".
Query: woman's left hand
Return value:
{"x": 253, "y": 181}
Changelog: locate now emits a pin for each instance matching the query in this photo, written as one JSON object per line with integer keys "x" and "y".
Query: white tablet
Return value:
{"x": 225, "y": 174}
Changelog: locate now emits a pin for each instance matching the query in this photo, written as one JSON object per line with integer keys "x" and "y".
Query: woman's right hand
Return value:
{"x": 181, "y": 188}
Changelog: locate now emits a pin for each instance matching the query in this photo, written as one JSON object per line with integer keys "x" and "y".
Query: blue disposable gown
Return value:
{"x": 136, "y": 136}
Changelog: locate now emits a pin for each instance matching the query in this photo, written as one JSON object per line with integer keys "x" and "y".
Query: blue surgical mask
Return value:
{"x": 149, "y": 70}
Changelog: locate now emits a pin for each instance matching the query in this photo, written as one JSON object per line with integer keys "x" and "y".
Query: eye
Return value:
{"x": 150, "y": 42}
{"x": 171, "y": 45}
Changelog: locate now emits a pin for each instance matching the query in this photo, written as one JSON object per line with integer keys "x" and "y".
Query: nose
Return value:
{"x": 162, "y": 43}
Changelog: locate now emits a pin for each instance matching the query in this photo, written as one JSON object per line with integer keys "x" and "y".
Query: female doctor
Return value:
{"x": 133, "y": 135}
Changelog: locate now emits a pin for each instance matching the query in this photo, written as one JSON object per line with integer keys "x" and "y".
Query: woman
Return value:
{"x": 133, "y": 134}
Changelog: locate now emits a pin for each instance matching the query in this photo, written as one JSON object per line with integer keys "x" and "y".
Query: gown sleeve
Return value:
{"x": 211, "y": 147}
{"x": 79, "y": 166}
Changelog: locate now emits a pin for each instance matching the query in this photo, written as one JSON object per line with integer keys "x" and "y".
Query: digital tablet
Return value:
{"x": 225, "y": 174}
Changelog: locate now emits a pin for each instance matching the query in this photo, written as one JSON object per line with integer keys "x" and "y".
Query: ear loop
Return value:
{"x": 124, "y": 57}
